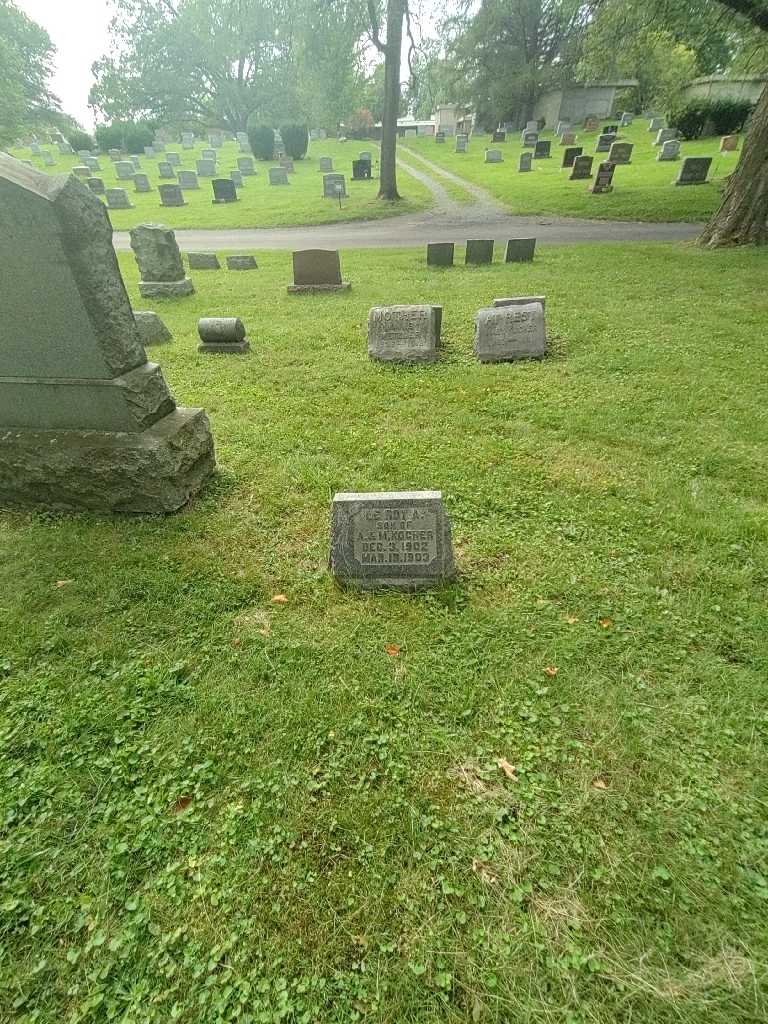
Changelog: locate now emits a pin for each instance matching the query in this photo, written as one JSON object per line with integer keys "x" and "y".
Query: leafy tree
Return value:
{"x": 79, "y": 139}
{"x": 295, "y": 139}
{"x": 26, "y": 52}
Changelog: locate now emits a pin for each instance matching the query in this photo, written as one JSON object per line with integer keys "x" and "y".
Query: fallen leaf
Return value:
{"x": 181, "y": 804}
{"x": 484, "y": 871}
{"x": 551, "y": 671}
{"x": 599, "y": 783}
{"x": 507, "y": 768}
{"x": 62, "y": 583}
{"x": 279, "y": 599}
{"x": 264, "y": 632}
{"x": 606, "y": 623}
{"x": 393, "y": 650}
{"x": 236, "y": 641}
{"x": 571, "y": 620}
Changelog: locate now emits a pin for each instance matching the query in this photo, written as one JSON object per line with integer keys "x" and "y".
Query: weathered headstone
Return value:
{"x": 325, "y": 165}
{"x": 366, "y": 155}
{"x": 479, "y": 250}
{"x": 669, "y": 150}
{"x": 604, "y": 178}
{"x": 562, "y": 127}
{"x": 171, "y": 195}
{"x": 569, "y": 155}
{"x": 317, "y": 270}
{"x": 626, "y": 120}
{"x": 604, "y": 143}
{"x": 96, "y": 185}
{"x": 80, "y": 170}
{"x": 504, "y": 334}
{"x": 520, "y": 250}
{"x": 245, "y": 165}
{"x": 206, "y": 168}
{"x": 117, "y": 199}
{"x": 165, "y": 170}
{"x": 729, "y": 143}
{"x": 621, "y": 153}
{"x": 590, "y": 124}
{"x": 440, "y": 254}
{"x": 224, "y": 191}
{"x": 277, "y": 176}
{"x": 493, "y": 156}
{"x": 582, "y": 168}
{"x": 151, "y": 328}
{"x": 334, "y": 186}
{"x": 161, "y": 270}
{"x": 242, "y": 262}
{"x": 664, "y": 135}
{"x": 187, "y": 143}
{"x": 499, "y": 137}
{"x": 611, "y": 129}
{"x": 526, "y": 162}
{"x": 361, "y": 170}
{"x": 543, "y": 150}
{"x": 174, "y": 159}
{"x": 531, "y": 126}
{"x": 398, "y": 540}
{"x": 404, "y": 334}
{"x": 461, "y": 143}
{"x": 203, "y": 261}
{"x": 188, "y": 180}
{"x": 222, "y": 334}
{"x": 85, "y": 421}
{"x": 209, "y": 154}
{"x": 149, "y": 152}
{"x": 114, "y": 154}
{"x": 237, "y": 178}
{"x": 287, "y": 164}
{"x": 567, "y": 139}
{"x": 655, "y": 124}
{"x": 136, "y": 163}
{"x": 48, "y": 160}
{"x": 694, "y": 170}
{"x": 529, "y": 139}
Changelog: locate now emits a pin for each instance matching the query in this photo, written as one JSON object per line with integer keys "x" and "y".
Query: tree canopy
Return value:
{"x": 26, "y": 53}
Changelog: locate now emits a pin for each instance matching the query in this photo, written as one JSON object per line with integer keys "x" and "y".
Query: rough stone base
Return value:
{"x": 156, "y": 471}
{"x": 309, "y": 289}
{"x": 232, "y": 347}
{"x": 166, "y": 289}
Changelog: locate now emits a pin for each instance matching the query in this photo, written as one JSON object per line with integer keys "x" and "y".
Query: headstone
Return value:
{"x": 124, "y": 170}
{"x": 664, "y": 135}
{"x": 582, "y": 168}
{"x": 325, "y": 165}
{"x": 171, "y": 195}
{"x": 479, "y": 250}
{"x": 159, "y": 147}
{"x": 520, "y": 301}
{"x": 92, "y": 164}
{"x": 203, "y": 261}
{"x": 174, "y": 159}
{"x": 149, "y": 152}
{"x": 161, "y": 272}
{"x": 626, "y": 120}
{"x": 621, "y": 153}
{"x": 80, "y": 171}
{"x": 165, "y": 170}
{"x": 287, "y": 165}
{"x": 506, "y": 333}
{"x": 224, "y": 191}
{"x": 65, "y": 149}
{"x": 209, "y": 154}
{"x": 237, "y": 178}
{"x": 245, "y": 165}
{"x": 493, "y": 156}
{"x": 136, "y": 163}
{"x": 361, "y": 170}
{"x": 532, "y": 126}
{"x": 604, "y": 143}
{"x": 520, "y": 250}
{"x": 567, "y": 139}
{"x": 240, "y": 262}
{"x": 187, "y": 180}
{"x": 604, "y": 178}
{"x": 694, "y": 170}
{"x": 440, "y": 254}
{"x": 206, "y": 168}
{"x": 141, "y": 183}
{"x": 151, "y": 328}
{"x": 611, "y": 129}
{"x": 397, "y": 540}
{"x": 729, "y": 143}
{"x": 85, "y": 421}
{"x": 366, "y": 155}
{"x": 404, "y": 334}
{"x": 242, "y": 138}
{"x": 669, "y": 150}
{"x": 499, "y": 137}
{"x": 570, "y": 153}
{"x": 461, "y": 143}
{"x": 543, "y": 150}
{"x": 562, "y": 127}
{"x": 222, "y": 334}
{"x": 334, "y": 186}
{"x": 277, "y": 176}
{"x": 35, "y": 148}
{"x": 440, "y": 137}
{"x": 529, "y": 139}
{"x": 590, "y": 124}
{"x": 114, "y": 154}
{"x": 96, "y": 185}
{"x": 656, "y": 124}
{"x": 317, "y": 270}
{"x": 187, "y": 143}
{"x": 117, "y": 199}
{"x": 526, "y": 162}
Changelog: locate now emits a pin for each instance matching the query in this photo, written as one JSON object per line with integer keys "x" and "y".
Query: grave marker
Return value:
{"x": 404, "y": 334}
{"x": 161, "y": 271}
{"x": 206, "y": 168}
{"x": 165, "y": 170}
{"x": 141, "y": 183}
{"x": 543, "y": 150}
{"x": 582, "y": 168}
{"x": 151, "y": 328}
{"x": 604, "y": 143}
{"x": 334, "y": 186}
{"x": 507, "y": 333}
{"x": 665, "y": 135}
{"x": 621, "y": 153}
{"x": 188, "y": 180}
{"x": 669, "y": 150}
{"x": 493, "y": 156}
{"x": 499, "y": 137}
{"x": 277, "y": 176}
{"x": 224, "y": 191}
{"x": 479, "y": 250}
{"x": 694, "y": 170}
{"x": 729, "y": 143}
{"x": 325, "y": 165}
{"x": 240, "y": 262}
{"x": 567, "y": 139}
{"x": 604, "y": 178}
{"x": 245, "y": 166}
{"x": 529, "y": 139}
{"x": 520, "y": 250}
{"x": 317, "y": 270}
{"x": 203, "y": 261}
{"x": 222, "y": 334}
{"x": 570, "y": 154}
{"x": 117, "y": 199}
{"x": 440, "y": 254}
{"x": 361, "y": 170}
{"x": 525, "y": 162}
{"x": 96, "y": 185}
{"x": 171, "y": 195}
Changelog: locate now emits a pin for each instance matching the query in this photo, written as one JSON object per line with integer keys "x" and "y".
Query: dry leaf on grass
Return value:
{"x": 599, "y": 783}
{"x": 62, "y": 583}
{"x": 606, "y": 623}
{"x": 181, "y": 804}
{"x": 393, "y": 650}
{"x": 507, "y": 768}
{"x": 551, "y": 671}
{"x": 571, "y": 620}
{"x": 484, "y": 871}
{"x": 279, "y": 599}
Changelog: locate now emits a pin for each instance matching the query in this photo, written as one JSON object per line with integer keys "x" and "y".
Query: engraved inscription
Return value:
{"x": 513, "y": 322}
{"x": 394, "y": 536}
{"x": 399, "y": 326}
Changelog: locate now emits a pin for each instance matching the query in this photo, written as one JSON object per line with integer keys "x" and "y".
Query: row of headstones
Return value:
{"x": 480, "y": 251}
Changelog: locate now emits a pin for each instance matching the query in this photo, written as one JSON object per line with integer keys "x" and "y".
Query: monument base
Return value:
{"x": 308, "y": 289}
{"x": 166, "y": 289}
{"x": 156, "y": 471}
{"x": 233, "y": 347}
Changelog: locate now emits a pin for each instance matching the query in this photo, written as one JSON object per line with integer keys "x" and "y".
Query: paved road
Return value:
{"x": 447, "y": 221}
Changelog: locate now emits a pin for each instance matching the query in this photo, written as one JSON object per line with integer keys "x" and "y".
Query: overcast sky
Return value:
{"x": 79, "y": 30}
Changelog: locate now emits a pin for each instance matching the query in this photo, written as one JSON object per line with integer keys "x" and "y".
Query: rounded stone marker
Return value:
{"x": 151, "y": 328}
{"x": 221, "y": 329}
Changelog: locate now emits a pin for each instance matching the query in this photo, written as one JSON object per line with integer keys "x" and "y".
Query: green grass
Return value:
{"x": 261, "y": 205}
{"x": 216, "y": 807}
{"x": 643, "y": 190}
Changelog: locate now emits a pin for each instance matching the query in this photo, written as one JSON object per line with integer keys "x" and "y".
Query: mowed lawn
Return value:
{"x": 260, "y": 204}
{"x": 232, "y": 792}
{"x": 643, "y": 190}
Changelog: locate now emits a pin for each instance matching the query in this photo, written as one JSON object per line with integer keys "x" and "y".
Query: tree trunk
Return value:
{"x": 392, "y": 56}
{"x": 743, "y": 214}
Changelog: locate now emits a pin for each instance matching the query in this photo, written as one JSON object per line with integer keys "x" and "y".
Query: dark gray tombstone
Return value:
{"x": 479, "y": 250}
{"x": 241, "y": 262}
{"x": 461, "y": 143}
{"x": 525, "y": 162}
{"x": 694, "y": 170}
{"x": 361, "y": 170}
{"x": 542, "y": 150}
{"x": 440, "y": 254}
{"x": 397, "y": 540}
{"x": 570, "y": 154}
{"x": 165, "y": 170}
{"x": 604, "y": 178}
{"x": 223, "y": 335}
{"x": 203, "y": 261}
{"x": 604, "y": 143}
{"x": 528, "y": 139}
{"x": 611, "y": 129}
{"x": 520, "y": 250}
{"x": 161, "y": 270}
{"x": 499, "y": 137}
{"x": 665, "y": 135}
{"x": 582, "y": 168}
{"x": 277, "y": 176}
{"x": 117, "y": 199}
{"x": 141, "y": 183}
{"x": 334, "y": 186}
{"x": 404, "y": 334}
{"x": 317, "y": 270}
{"x": 621, "y": 153}
{"x": 171, "y": 195}
{"x": 124, "y": 170}
{"x": 507, "y": 333}
{"x": 224, "y": 191}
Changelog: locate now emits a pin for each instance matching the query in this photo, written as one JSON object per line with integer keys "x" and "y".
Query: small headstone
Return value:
{"x": 209, "y": 154}
{"x": 729, "y": 143}
{"x": 520, "y": 250}
{"x": 569, "y": 155}
{"x": 621, "y": 153}
{"x": 567, "y": 139}
{"x": 171, "y": 195}
{"x": 532, "y": 126}
{"x": 669, "y": 150}
{"x": 159, "y": 147}
{"x": 440, "y": 254}
{"x": 151, "y": 328}
{"x": 499, "y": 137}
{"x": 165, "y": 170}
{"x": 604, "y": 142}
{"x": 92, "y": 164}
{"x": 325, "y": 165}
{"x": 611, "y": 129}
{"x": 440, "y": 137}
{"x": 141, "y": 183}
{"x": 526, "y": 162}
{"x": 117, "y": 199}
{"x": 188, "y": 180}
{"x": 461, "y": 143}
{"x": 80, "y": 171}
{"x": 48, "y": 160}
{"x": 543, "y": 150}
{"x": 397, "y": 540}
{"x": 187, "y": 143}
{"x": 366, "y": 155}
{"x": 404, "y": 334}
{"x": 277, "y": 176}
{"x": 361, "y": 170}
{"x": 149, "y": 152}
{"x": 222, "y": 334}
{"x": 136, "y": 163}
{"x": 562, "y": 127}
{"x": 203, "y": 261}
{"x": 604, "y": 178}
{"x": 161, "y": 270}
{"x": 529, "y": 139}
{"x": 114, "y": 154}
{"x": 237, "y": 178}
{"x": 582, "y": 168}
{"x": 124, "y": 170}
{"x": 317, "y": 270}
{"x": 506, "y": 333}
{"x": 224, "y": 191}
{"x": 206, "y": 168}
{"x": 174, "y": 159}
{"x": 591, "y": 124}
{"x": 287, "y": 164}
{"x": 96, "y": 185}
{"x": 626, "y": 120}
{"x": 664, "y": 135}
{"x": 334, "y": 186}
{"x": 245, "y": 165}
{"x": 493, "y": 156}
{"x": 242, "y": 263}
{"x": 694, "y": 170}
{"x": 656, "y": 124}
{"x": 479, "y": 250}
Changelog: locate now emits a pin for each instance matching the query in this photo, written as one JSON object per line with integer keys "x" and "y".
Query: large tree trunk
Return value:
{"x": 392, "y": 56}
{"x": 743, "y": 214}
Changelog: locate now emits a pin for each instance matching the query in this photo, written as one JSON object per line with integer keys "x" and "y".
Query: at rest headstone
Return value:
{"x": 404, "y": 334}
{"x": 161, "y": 270}
{"x": 287, "y": 164}
{"x": 222, "y": 334}
{"x": 85, "y": 421}
{"x": 569, "y": 155}
{"x": 440, "y": 137}
{"x": 334, "y": 186}
{"x": 591, "y": 124}
{"x": 604, "y": 178}
{"x": 520, "y": 250}
{"x": 237, "y": 178}
{"x": 117, "y": 199}
{"x": 526, "y": 162}
{"x": 493, "y": 156}
{"x": 141, "y": 183}
{"x": 669, "y": 150}
{"x": 440, "y": 254}
{"x": 531, "y": 126}
{"x": 543, "y": 150}
{"x": 694, "y": 170}
{"x": 317, "y": 270}
{"x": 209, "y": 154}
{"x": 655, "y": 124}
{"x": 567, "y": 139}
{"x": 528, "y": 139}
{"x": 149, "y": 152}
{"x": 96, "y": 185}
{"x": 203, "y": 261}
{"x": 174, "y": 159}
{"x": 165, "y": 170}
{"x": 664, "y": 135}
{"x": 507, "y": 333}
{"x": 582, "y": 168}
{"x": 398, "y": 540}
{"x": 621, "y": 153}
{"x": 277, "y": 176}
{"x": 611, "y": 129}
{"x": 171, "y": 195}
{"x": 151, "y": 328}
{"x": 479, "y": 250}
{"x": 523, "y": 300}
{"x": 224, "y": 191}
{"x": 499, "y": 137}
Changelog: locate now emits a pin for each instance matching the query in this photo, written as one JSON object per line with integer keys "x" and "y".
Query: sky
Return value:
{"x": 79, "y": 29}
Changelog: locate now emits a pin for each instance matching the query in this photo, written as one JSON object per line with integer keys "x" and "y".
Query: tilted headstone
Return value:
{"x": 529, "y": 139}
{"x": 590, "y": 124}
{"x": 151, "y": 328}
{"x": 187, "y": 180}
{"x": 656, "y": 124}
{"x": 242, "y": 262}
{"x": 174, "y": 159}
{"x": 664, "y": 135}
{"x": 203, "y": 261}
{"x": 567, "y": 139}
{"x": 277, "y": 176}
{"x": 141, "y": 183}
{"x": 729, "y": 143}
{"x": 404, "y": 334}
{"x": 317, "y": 270}
{"x": 479, "y": 250}
{"x": 224, "y": 191}
{"x": 526, "y": 162}
{"x": 325, "y": 165}
{"x": 96, "y": 185}
{"x": 604, "y": 178}
{"x": 569, "y": 155}
{"x": 85, "y": 421}
{"x": 621, "y": 153}
{"x": 694, "y": 170}
{"x": 237, "y": 178}
{"x": 669, "y": 150}
{"x": 440, "y": 137}
{"x": 440, "y": 254}
{"x": 493, "y": 156}
{"x": 117, "y": 199}
{"x": 165, "y": 170}
{"x": 582, "y": 168}
{"x": 520, "y": 250}
{"x": 245, "y": 165}
{"x": 543, "y": 150}
{"x": 361, "y": 170}
{"x": 161, "y": 271}
{"x": 604, "y": 143}
{"x": 124, "y": 170}
{"x": 626, "y": 120}
{"x": 222, "y": 334}
{"x": 206, "y": 168}
{"x": 80, "y": 170}
{"x": 397, "y": 540}
{"x": 334, "y": 186}
{"x": 507, "y": 333}
{"x": 171, "y": 195}
{"x": 499, "y": 137}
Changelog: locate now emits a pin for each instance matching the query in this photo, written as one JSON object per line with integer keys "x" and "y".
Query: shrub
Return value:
{"x": 137, "y": 136}
{"x": 729, "y": 116}
{"x": 110, "y": 136}
{"x": 80, "y": 140}
{"x": 690, "y": 119}
{"x": 719, "y": 116}
{"x": 262, "y": 140}
{"x": 295, "y": 140}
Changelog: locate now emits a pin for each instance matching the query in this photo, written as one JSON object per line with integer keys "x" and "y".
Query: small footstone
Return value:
{"x": 507, "y": 333}
{"x": 151, "y": 328}
{"x": 479, "y": 250}
{"x": 440, "y": 254}
{"x": 241, "y": 263}
{"x": 203, "y": 261}
{"x": 399, "y": 540}
{"x": 404, "y": 334}
{"x": 224, "y": 334}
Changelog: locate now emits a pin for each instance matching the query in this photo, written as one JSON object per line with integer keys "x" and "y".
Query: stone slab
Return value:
{"x": 151, "y": 328}
{"x": 508, "y": 333}
{"x": 166, "y": 289}
{"x": 242, "y": 263}
{"x": 440, "y": 254}
{"x": 404, "y": 334}
{"x": 479, "y": 250}
{"x": 203, "y": 261}
{"x": 317, "y": 270}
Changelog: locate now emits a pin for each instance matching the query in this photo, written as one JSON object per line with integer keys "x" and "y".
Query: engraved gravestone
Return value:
{"x": 603, "y": 179}
{"x": 393, "y": 539}
{"x": 440, "y": 137}
{"x": 242, "y": 262}
{"x": 141, "y": 183}
{"x": 245, "y": 165}
{"x": 655, "y": 124}
{"x": 590, "y": 124}
{"x": 237, "y": 178}
{"x": 621, "y": 153}
{"x": 604, "y": 142}
{"x": 569, "y": 155}
{"x": 669, "y": 150}
{"x": 209, "y": 154}
{"x": 440, "y": 254}
{"x": 85, "y": 421}
{"x": 521, "y": 300}
{"x": 151, "y": 328}
{"x": 317, "y": 270}
{"x": 224, "y": 191}
{"x": 507, "y": 333}
{"x": 277, "y": 176}
{"x": 567, "y": 139}
{"x": 542, "y": 150}
{"x": 165, "y": 170}
{"x": 664, "y": 135}
{"x": 223, "y": 335}
{"x": 171, "y": 195}
{"x": 117, "y": 199}
{"x": 528, "y": 139}
{"x": 461, "y": 143}
{"x": 334, "y": 186}
{"x": 203, "y": 261}
{"x": 526, "y": 162}
{"x": 404, "y": 334}
{"x": 729, "y": 143}
{"x": 582, "y": 168}
{"x": 694, "y": 170}
{"x": 499, "y": 137}
{"x": 325, "y": 165}
{"x": 520, "y": 250}
{"x": 188, "y": 180}
{"x": 361, "y": 170}
{"x": 173, "y": 159}
{"x": 124, "y": 170}
{"x": 206, "y": 168}
{"x": 493, "y": 156}
{"x": 479, "y": 250}
{"x": 157, "y": 254}
{"x": 96, "y": 185}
